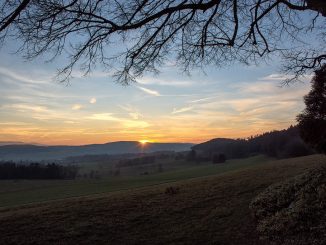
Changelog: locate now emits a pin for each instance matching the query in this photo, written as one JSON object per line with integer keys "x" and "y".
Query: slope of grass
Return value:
{"x": 29, "y": 191}
{"x": 207, "y": 210}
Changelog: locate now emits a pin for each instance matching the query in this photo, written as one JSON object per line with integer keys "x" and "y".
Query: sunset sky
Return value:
{"x": 234, "y": 102}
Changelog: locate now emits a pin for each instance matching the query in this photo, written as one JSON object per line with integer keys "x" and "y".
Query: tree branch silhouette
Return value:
{"x": 143, "y": 34}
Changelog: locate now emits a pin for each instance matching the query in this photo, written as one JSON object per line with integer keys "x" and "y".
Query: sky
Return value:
{"x": 234, "y": 102}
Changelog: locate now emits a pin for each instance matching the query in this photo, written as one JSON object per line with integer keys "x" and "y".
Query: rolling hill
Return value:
{"x": 284, "y": 143}
{"x": 36, "y": 153}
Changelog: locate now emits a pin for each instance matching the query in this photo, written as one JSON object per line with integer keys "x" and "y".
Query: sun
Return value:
{"x": 143, "y": 142}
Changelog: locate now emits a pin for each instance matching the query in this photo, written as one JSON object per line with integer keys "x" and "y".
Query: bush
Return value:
{"x": 293, "y": 211}
{"x": 218, "y": 158}
{"x": 191, "y": 156}
{"x": 172, "y": 190}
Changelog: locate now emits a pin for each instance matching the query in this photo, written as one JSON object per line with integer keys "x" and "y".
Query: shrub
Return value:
{"x": 293, "y": 211}
{"x": 172, "y": 190}
{"x": 218, "y": 158}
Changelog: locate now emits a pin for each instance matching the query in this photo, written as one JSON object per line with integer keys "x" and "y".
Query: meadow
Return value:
{"x": 206, "y": 210}
{"x": 18, "y": 192}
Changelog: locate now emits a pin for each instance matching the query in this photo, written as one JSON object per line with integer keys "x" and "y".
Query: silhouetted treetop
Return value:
{"x": 144, "y": 34}
{"x": 312, "y": 121}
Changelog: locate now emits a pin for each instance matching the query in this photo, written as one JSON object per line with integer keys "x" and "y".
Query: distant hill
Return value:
{"x": 2, "y": 143}
{"x": 30, "y": 152}
{"x": 280, "y": 144}
{"x": 11, "y": 143}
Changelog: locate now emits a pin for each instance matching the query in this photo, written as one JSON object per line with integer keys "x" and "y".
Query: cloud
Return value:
{"x": 70, "y": 122}
{"x": 127, "y": 123}
{"x": 283, "y": 77}
{"x": 261, "y": 89}
{"x": 92, "y": 74}
{"x": 149, "y": 91}
{"x": 76, "y": 107}
{"x": 132, "y": 112}
{"x": 165, "y": 82}
{"x": 92, "y": 101}
{"x": 104, "y": 117}
{"x": 276, "y": 77}
{"x": 14, "y": 123}
{"x": 181, "y": 110}
{"x": 38, "y": 112}
{"x": 27, "y": 107}
{"x": 22, "y": 78}
{"x": 203, "y": 99}
{"x": 135, "y": 124}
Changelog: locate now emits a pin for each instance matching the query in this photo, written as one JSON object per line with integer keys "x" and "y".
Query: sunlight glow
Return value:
{"x": 144, "y": 142}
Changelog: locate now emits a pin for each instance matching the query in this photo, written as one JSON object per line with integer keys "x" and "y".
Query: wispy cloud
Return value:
{"x": 132, "y": 111}
{"x": 149, "y": 91}
{"x": 22, "y": 78}
{"x": 273, "y": 87}
{"x": 127, "y": 123}
{"x": 77, "y": 107}
{"x": 165, "y": 82}
{"x": 203, "y": 99}
{"x": 135, "y": 124}
{"x": 14, "y": 123}
{"x": 276, "y": 77}
{"x": 28, "y": 107}
{"x": 104, "y": 117}
{"x": 181, "y": 110}
{"x": 283, "y": 77}
{"x": 92, "y": 74}
{"x": 38, "y": 112}
{"x": 93, "y": 101}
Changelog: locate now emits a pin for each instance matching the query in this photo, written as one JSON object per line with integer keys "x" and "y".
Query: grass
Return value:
{"x": 29, "y": 191}
{"x": 207, "y": 210}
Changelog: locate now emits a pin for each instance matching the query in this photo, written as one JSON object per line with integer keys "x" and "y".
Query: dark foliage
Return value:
{"x": 90, "y": 158}
{"x": 11, "y": 170}
{"x": 137, "y": 161}
{"x": 280, "y": 144}
{"x": 218, "y": 158}
{"x": 192, "y": 155}
{"x": 172, "y": 190}
{"x": 312, "y": 121}
{"x": 293, "y": 211}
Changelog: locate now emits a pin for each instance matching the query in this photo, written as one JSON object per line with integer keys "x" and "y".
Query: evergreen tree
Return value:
{"x": 312, "y": 121}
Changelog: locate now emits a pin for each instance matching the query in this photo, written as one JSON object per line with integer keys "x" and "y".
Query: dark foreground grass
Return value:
{"x": 209, "y": 210}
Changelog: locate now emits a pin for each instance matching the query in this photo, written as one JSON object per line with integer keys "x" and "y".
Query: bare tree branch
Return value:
{"x": 138, "y": 36}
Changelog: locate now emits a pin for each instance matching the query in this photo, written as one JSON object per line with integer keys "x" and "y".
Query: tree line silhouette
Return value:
{"x": 279, "y": 144}
{"x": 12, "y": 170}
{"x": 137, "y": 161}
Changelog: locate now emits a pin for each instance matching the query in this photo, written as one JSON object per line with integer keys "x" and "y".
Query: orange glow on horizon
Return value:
{"x": 144, "y": 142}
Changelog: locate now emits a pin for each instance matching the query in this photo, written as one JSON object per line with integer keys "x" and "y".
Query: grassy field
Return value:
{"x": 29, "y": 191}
{"x": 207, "y": 210}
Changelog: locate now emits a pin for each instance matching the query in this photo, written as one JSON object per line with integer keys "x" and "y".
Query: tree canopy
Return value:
{"x": 312, "y": 121}
{"x": 138, "y": 36}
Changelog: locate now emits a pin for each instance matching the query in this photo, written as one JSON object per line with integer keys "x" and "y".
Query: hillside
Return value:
{"x": 24, "y": 191}
{"x": 207, "y": 210}
{"x": 10, "y": 143}
{"x": 37, "y": 153}
{"x": 278, "y": 143}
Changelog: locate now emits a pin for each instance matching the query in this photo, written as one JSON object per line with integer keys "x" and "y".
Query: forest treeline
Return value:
{"x": 12, "y": 170}
{"x": 279, "y": 144}
{"x": 137, "y": 161}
